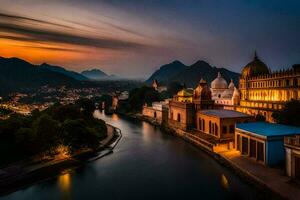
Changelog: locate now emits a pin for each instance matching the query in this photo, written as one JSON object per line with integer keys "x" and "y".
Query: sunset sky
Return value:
{"x": 132, "y": 38}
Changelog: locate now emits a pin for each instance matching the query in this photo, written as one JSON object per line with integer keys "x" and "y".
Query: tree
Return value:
{"x": 260, "y": 117}
{"x": 107, "y": 99}
{"x": 139, "y": 96}
{"x": 76, "y": 135}
{"x": 87, "y": 106}
{"x": 174, "y": 87}
{"x": 290, "y": 114}
{"x": 46, "y": 132}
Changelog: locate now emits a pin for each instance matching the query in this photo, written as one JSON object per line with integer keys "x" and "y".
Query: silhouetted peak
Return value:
{"x": 200, "y": 63}
{"x": 177, "y": 62}
{"x": 44, "y": 64}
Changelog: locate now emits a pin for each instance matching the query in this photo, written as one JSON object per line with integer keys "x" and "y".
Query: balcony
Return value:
{"x": 292, "y": 141}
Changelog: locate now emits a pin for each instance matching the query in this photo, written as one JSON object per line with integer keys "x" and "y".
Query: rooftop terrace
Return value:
{"x": 268, "y": 129}
{"x": 224, "y": 113}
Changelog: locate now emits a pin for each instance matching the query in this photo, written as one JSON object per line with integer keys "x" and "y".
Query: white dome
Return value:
{"x": 219, "y": 83}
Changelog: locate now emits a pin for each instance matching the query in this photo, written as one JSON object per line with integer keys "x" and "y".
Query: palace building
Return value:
{"x": 263, "y": 92}
{"x": 184, "y": 105}
{"x": 195, "y": 111}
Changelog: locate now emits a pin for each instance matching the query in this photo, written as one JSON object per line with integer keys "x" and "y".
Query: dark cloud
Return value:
{"x": 23, "y": 18}
{"x": 34, "y": 34}
{"x": 53, "y": 48}
{"x": 42, "y": 35}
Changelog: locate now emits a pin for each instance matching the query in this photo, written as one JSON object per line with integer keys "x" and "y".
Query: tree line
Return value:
{"x": 72, "y": 126}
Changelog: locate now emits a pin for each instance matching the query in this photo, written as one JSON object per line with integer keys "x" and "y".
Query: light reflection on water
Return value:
{"x": 115, "y": 117}
{"x": 64, "y": 185}
{"x": 224, "y": 182}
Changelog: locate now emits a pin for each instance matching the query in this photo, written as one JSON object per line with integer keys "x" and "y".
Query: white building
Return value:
{"x": 222, "y": 93}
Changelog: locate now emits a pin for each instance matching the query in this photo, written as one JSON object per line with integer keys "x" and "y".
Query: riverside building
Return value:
{"x": 264, "y": 142}
{"x": 263, "y": 91}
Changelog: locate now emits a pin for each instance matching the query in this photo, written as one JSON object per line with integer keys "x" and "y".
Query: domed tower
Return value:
{"x": 231, "y": 85}
{"x": 202, "y": 96}
{"x": 155, "y": 84}
{"x": 252, "y": 69}
{"x": 255, "y": 68}
{"x": 236, "y": 96}
{"x": 218, "y": 86}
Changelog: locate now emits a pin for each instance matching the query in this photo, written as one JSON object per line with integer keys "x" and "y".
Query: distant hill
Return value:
{"x": 19, "y": 75}
{"x": 166, "y": 72}
{"x": 190, "y": 75}
{"x": 62, "y": 70}
{"x": 97, "y": 74}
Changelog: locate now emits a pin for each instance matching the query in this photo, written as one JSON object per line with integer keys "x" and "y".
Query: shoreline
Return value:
{"x": 54, "y": 168}
{"x": 243, "y": 174}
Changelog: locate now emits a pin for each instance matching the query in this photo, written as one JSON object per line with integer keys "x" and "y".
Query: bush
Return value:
{"x": 289, "y": 115}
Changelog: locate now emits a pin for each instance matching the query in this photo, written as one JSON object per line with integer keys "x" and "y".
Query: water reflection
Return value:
{"x": 144, "y": 158}
{"x": 115, "y": 117}
{"x": 147, "y": 130}
{"x": 64, "y": 185}
{"x": 224, "y": 182}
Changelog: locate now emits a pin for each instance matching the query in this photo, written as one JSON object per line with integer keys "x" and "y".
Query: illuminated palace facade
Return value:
{"x": 263, "y": 92}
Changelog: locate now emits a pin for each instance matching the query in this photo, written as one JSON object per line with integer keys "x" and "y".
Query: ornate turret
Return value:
{"x": 202, "y": 92}
{"x": 231, "y": 85}
{"x": 202, "y": 96}
{"x": 155, "y": 84}
{"x": 236, "y": 96}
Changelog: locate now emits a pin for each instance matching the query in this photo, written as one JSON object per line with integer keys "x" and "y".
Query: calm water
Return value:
{"x": 146, "y": 164}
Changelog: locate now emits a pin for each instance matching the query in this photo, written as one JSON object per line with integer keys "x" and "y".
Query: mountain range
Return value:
{"x": 98, "y": 75}
{"x": 190, "y": 75}
{"x": 62, "y": 70}
{"x": 19, "y": 75}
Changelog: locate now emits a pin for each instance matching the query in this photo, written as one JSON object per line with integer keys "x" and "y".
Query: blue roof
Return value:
{"x": 268, "y": 129}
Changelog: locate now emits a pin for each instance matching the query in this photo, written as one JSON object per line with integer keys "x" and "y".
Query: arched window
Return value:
{"x": 295, "y": 82}
{"x": 224, "y": 129}
{"x": 203, "y": 124}
{"x": 231, "y": 129}
{"x": 209, "y": 126}
{"x": 287, "y": 83}
{"x": 200, "y": 124}
{"x": 216, "y": 130}
{"x": 178, "y": 117}
{"x": 154, "y": 114}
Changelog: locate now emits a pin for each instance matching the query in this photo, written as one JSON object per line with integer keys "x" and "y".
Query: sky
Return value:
{"x": 133, "y": 38}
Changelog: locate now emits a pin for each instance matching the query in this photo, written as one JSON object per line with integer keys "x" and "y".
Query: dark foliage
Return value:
{"x": 260, "y": 118}
{"x": 290, "y": 114}
{"x": 71, "y": 125}
{"x": 141, "y": 96}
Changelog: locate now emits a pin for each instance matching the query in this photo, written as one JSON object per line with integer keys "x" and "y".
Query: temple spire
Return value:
{"x": 255, "y": 55}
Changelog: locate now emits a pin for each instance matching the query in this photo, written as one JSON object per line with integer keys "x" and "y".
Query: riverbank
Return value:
{"x": 20, "y": 175}
{"x": 277, "y": 185}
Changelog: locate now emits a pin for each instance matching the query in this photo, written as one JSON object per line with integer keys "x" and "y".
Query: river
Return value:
{"x": 146, "y": 164}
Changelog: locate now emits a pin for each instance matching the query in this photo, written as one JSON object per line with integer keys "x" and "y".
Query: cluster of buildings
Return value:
{"x": 223, "y": 115}
{"x": 44, "y": 97}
